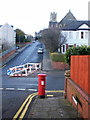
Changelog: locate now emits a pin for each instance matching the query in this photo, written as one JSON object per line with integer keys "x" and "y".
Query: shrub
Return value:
{"x": 81, "y": 50}
{"x": 57, "y": 57}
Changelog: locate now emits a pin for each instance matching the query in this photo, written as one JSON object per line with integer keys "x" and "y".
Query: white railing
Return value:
{"x": 24, "y": 70}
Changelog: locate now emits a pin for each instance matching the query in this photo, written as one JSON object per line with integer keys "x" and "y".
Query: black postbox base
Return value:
{"x": 41, "y": 96}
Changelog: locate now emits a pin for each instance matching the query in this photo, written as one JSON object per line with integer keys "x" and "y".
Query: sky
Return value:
{"x": 33, "y": 15}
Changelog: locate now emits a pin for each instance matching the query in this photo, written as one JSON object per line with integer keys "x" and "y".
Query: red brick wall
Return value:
{"x": 80, "y": 71}
{"x": 59, "y": 65}
{"x": 7, "y": 55}
{"x": 72, "y": 89}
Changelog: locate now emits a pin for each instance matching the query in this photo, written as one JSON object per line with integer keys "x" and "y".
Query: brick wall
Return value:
{"x": 73, "y": 90}
{"x": 7, "y": 55}
{"x": 59, "y": 65}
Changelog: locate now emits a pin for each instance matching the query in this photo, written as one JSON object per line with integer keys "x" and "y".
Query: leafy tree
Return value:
{"x": 20, "y": 36}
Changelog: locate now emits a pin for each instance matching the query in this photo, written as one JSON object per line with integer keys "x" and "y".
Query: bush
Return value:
{"x": 81, "y": 50}
{"x": 57, "y": 57}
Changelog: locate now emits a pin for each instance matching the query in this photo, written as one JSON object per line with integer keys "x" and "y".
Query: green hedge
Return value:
{"x": 81, "y": 50}
{"x": 57, "y": 57}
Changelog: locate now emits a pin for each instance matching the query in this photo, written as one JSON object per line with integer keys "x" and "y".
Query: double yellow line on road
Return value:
{"x": 24, "y": 107}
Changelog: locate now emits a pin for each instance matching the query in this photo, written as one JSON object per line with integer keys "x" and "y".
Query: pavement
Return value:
{"x": 53, "y": 106}
{"x": 47, "y": 66}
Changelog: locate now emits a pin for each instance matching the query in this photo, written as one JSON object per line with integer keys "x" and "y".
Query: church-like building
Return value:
{"x": 76, "y": 32}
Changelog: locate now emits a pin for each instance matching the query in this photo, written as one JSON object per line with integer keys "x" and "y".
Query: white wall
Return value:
{"x": 74, "y": 37}
{"x": 7, "y": 35}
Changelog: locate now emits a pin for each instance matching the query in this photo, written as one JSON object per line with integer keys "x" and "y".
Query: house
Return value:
{"x": 77, "y": 32}
{"x": 7, "y": 36}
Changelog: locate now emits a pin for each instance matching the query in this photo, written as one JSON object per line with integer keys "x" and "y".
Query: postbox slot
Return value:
{"x": 42, "y": 79}
{"x": 42, "y": 82}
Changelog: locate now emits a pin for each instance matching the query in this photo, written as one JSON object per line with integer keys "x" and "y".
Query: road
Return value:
{"x": 16, "y": 89}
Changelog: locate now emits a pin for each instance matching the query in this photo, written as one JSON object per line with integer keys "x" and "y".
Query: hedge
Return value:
{"x": 81, "y": 50}
{"x": 57, "y": 57}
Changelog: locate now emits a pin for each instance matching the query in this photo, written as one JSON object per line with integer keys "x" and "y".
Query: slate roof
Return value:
{"x": 74, "y": 25}
{"x": 68, "y": 18}
{"x": 69, "y": 22}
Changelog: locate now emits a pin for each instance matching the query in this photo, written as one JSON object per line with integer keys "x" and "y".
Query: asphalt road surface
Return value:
{"x": 16, "y": 89}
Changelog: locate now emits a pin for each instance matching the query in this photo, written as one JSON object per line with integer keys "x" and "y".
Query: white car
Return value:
{"x": 40, "y": 50}
{"x": 33, "y": 41}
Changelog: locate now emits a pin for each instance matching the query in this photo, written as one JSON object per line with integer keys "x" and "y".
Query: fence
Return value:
{"x": 80, "y": 71}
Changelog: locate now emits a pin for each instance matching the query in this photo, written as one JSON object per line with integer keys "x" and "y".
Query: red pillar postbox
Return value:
{"x": 41, "y": 85}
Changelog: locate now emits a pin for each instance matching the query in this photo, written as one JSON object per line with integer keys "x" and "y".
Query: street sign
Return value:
{"x": 9, "y": 72}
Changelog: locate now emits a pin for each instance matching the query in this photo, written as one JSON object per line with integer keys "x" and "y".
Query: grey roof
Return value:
{"x": 74, "y": 25}
{"x": 68, "y": 17}
{"x": 69, "y": 22}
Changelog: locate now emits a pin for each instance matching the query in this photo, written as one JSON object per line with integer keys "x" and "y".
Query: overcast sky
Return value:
{"x": 33, "y": 15}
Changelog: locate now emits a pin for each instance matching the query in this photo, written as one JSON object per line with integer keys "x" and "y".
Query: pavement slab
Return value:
{"x": 53, "y": 107}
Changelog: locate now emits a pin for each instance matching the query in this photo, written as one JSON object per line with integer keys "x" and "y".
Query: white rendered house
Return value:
{"x": 77, "y": 33}
{"x": 7, "y": 36}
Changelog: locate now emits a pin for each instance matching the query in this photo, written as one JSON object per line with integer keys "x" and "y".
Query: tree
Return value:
{"x": 52, "y": 38}
{"x": 61, "y": 40}
{"x": 20, "y": 36}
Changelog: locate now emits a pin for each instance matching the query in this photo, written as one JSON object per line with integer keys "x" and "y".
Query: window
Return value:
{"x": 63, "y": 48}
{"x": 86, "y": 35}
{"x": 70, "y": 46}
{"x": 77, "y": 35}
{"x": 82, "y": 35}
{"x": 70, "y": 34}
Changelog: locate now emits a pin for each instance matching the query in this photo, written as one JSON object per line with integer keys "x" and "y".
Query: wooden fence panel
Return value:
{"x": 80, "y": 71}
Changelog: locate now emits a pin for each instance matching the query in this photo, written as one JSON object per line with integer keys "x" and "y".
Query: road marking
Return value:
{"x": 2, "y": 66}
{"x": 10, "y": 88}
{"x": 50, "y": 91}
{"x": 50, "y": 95}
{"x": 28, "y": 101}
{"x": 20, "y": 109}
{"x": 32, "y": 89}
{"x": 24, "y": 107}
{"x": 18, "y": 89}
{"x": 21, "y": 89}
{"x": 1, "y": 88}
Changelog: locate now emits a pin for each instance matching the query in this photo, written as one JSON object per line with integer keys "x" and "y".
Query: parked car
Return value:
{"x": 40, "y": 51}
{"x": 17, "y": 48}
{"x": 33, "y": 41}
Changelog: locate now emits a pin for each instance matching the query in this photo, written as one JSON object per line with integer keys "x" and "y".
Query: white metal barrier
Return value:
{"x": 24, "y": 70}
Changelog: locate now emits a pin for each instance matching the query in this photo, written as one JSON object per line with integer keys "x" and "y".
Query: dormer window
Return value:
{"x": 82, "y": 35}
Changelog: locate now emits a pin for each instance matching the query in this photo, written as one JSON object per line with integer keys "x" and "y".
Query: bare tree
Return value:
{"x": 50, "y": 38}
{"x": 61, "y": 40}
